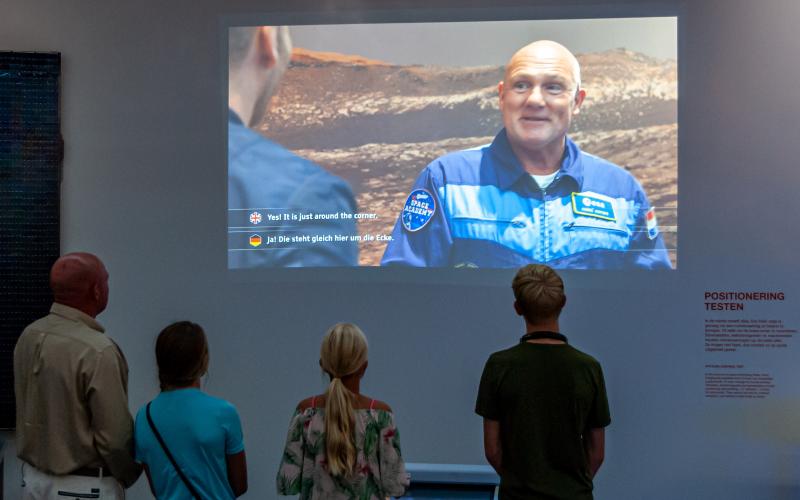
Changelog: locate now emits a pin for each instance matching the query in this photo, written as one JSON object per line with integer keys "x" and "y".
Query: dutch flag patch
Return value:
{"x": 652, "y": 225}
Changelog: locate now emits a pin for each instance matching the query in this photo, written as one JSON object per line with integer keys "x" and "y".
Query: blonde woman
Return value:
{"x": 342, "y": 444}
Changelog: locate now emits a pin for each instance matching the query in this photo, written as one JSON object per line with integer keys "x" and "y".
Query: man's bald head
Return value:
{"x": 545, "y": 50}
{"x": 538, "y": 98}
{"x": 80, "y": 280}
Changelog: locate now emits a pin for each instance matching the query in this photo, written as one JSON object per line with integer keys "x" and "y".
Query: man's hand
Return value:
{"x": 594, "y": 442}
{"x": 492, "y": 445}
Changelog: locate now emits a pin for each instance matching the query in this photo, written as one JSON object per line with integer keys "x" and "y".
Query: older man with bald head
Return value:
{"x": 74, "y": 427}
{"x": 532, "y": 195}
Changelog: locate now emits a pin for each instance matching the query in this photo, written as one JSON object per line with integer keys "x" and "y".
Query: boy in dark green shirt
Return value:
{"x": 544, "y": 402}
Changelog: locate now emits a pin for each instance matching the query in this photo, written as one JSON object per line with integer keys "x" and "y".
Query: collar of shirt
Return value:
{"x": 234, "y": 118}
{"x": 76, "y": 315}
{"x": 509, "y": 170}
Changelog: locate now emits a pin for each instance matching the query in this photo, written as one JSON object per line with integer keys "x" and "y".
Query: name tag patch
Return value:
{"x": 593, "y": 205}
{"x": 418, "y": 210}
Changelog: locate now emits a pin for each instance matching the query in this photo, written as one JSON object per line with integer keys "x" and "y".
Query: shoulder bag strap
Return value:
{"x": 169, "y": 455}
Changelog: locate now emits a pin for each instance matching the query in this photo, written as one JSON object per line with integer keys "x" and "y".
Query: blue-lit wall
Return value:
{"x": 144, "y": 187}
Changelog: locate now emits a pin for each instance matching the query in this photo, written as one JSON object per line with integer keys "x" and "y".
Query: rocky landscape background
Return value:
{"x": 377, "y": 125}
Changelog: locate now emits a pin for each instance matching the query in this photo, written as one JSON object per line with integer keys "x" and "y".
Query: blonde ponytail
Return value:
{"x": 343, "y": 352}
{"x": 339, "y": 420}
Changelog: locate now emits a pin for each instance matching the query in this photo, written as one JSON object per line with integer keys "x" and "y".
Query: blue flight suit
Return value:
{"x": 267, "y": 178}
{"x": 480, "y": 208}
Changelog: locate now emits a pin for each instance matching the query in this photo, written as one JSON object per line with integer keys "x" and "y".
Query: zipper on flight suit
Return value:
{"x": 545, "y": 247}
{"x": 543, "y": 225}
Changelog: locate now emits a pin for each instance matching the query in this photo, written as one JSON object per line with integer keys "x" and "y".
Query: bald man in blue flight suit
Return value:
{"x": 531, "y": 196}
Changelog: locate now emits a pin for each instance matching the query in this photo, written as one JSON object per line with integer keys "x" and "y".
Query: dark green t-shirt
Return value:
{"x": 545, "y": 396}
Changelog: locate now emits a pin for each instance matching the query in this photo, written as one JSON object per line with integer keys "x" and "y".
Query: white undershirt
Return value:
{"x": 544, "y": 180}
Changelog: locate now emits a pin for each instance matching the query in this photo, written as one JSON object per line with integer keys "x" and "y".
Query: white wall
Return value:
{"x": 144, "y": 187}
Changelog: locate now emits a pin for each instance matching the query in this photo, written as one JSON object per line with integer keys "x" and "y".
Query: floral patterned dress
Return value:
{"x": 379, "y": 473}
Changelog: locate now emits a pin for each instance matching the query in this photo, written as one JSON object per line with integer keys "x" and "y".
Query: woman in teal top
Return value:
{"x": 202, "y": 433}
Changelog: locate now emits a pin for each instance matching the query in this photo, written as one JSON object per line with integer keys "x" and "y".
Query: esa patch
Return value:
{"x": 418, "y": 210}
{"x": 593, "y": 205}
{"x": 652, "y": 225}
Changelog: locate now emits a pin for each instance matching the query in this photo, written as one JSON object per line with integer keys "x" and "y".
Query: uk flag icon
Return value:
{"x": 255, "y": 218}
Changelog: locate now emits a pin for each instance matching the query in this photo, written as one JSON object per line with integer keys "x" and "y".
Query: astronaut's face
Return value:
{"x": 538, "y": 97}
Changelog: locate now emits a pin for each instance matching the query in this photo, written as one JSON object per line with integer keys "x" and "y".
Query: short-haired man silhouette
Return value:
{"x": 543, "y": 402}
{"x": 265, "y": 176}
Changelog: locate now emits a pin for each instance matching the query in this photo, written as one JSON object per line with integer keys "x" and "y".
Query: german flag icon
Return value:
{"x": 255, "y": 240}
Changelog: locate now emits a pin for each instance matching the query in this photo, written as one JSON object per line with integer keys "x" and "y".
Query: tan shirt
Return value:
{"x": 71, "y": 383}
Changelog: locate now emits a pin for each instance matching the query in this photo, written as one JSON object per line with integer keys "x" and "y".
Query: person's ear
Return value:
{"x": 500, "y": 88}
{"x": 517, "y": 309}
{"x": 266, "y": 47}
{"x": 580, "y": 95}
{"x": 364, "y": 368}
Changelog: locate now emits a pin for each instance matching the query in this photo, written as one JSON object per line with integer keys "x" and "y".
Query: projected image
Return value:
{"x": 445, "y": 145}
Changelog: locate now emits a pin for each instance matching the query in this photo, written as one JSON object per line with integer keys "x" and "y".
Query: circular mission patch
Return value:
{"x": 418, "y": 210}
